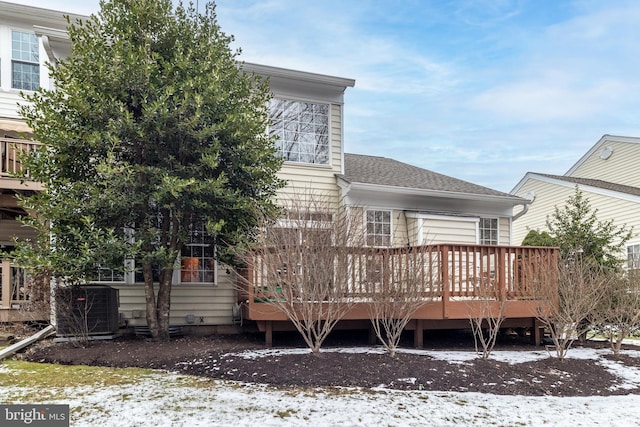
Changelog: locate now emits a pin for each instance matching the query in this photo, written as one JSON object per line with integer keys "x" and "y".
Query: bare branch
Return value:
{"x": 486, "y": 314}
{"x": 569, "y": 307}
{"x": 619, "y": 313}
{"x": 305, "y": 265}
{"x": 398, "y": 285}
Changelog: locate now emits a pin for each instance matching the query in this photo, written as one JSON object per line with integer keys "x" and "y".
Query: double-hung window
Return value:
{"x": 378, "y": 228}
{"x": 488, "y": 228}
{"x": 378, "y": 233}
{"x": 301, "y": 129}
{"x": 198, "y": 256}
{"x": 25, "y": 61}
{"x": 633, "y": 257}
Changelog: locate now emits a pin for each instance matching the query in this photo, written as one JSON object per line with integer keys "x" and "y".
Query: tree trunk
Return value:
{"x": 150, "y": 298}
{"x": 164, "y": 303}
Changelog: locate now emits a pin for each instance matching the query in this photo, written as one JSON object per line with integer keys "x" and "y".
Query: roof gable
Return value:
{"x": 597, "y": 186}
{"x": 599, "y": 146}
{"x": 595, "y": 168}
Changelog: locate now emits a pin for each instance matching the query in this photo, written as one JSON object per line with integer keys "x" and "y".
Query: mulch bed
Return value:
{"x": 216, "y": 357}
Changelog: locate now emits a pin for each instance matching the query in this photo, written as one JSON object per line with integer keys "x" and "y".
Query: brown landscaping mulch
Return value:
{"x": 217, "y": 357}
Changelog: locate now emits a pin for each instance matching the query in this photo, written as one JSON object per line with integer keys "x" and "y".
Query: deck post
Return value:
{"x": 373, "y": 339}
{"x": 268, "y": 334}
{"x": 444, "y": 276}
{"x": 5, "y": 283}
{"x": 418, "y": 334}
{"x": 537, "y": 333}
{"x": 501, "y": 274}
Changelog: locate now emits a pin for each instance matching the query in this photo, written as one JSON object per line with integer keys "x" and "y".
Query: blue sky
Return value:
{"x": 482, "y": 90}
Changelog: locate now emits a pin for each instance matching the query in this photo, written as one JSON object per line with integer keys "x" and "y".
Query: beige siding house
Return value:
{"x": 298, "y": 97}
{"x": 606, "y": 174}
{"x": 461, "y": 230}
{"x": 400, "y": 205}
{"x": 424, "y": 207}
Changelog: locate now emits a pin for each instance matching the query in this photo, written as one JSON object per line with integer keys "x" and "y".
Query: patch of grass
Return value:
{"x": 18, "y": 373}
{"x": 39, "y": 382}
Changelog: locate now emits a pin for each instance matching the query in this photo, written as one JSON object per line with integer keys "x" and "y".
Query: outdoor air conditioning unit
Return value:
{"x": 87, "y": 310}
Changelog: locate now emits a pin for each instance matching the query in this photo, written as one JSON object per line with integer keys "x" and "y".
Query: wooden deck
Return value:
{"x": 11, "y": 150}
{"x": 457, "y": 281}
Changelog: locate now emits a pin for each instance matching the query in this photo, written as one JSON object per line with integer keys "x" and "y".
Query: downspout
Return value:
{"x": 525, "y": 208}
{"x": 342, "y": 138}
{"x": 47, "y": 47}
{"x": 406, "y": 226}
{"x": 531, "y": 196}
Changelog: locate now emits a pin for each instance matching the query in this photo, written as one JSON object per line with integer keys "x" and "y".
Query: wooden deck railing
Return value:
{"x": 442, "y": 272}
{"x": 13, "y": 285}
{"x": 11, "y": 150}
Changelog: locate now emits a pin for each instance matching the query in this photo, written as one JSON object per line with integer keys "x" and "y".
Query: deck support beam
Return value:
{"x": 418, "y": 334}
{"x": 537, "y": 333}
{"x": 268, "y": 334}
{"x": 372, "y": 336}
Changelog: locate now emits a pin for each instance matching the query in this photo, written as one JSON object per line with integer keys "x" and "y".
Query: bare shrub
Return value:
{"x": 73, "y": 305}
{"x": 399, "y": 283}
{"x": 569, "y": 299}
{"x": 619, "y": 313}
{"x": 487, "y": 312}
{"x": 304, "y": 264}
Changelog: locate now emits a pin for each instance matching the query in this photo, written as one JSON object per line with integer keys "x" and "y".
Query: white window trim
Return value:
{"x": 391, "y": 225}
{"x": 8, "y": 80}
{"x": 177, "y": 273}
{"x": 478, "y": 234}
{"x": 329, "y": 163}
{"x": 629, "y": 245}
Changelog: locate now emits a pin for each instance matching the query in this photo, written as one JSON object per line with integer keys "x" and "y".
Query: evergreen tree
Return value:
{"x": 578, "y": 232}
{"x": 538, "y": 238}
{"x": 152, "y": 129}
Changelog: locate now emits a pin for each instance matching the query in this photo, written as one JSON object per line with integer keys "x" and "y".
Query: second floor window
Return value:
{"x": 302, "y": 129}
{"x": 378, "y": 228}
{"x": 25, "y": 61}
{"x": 488, "y": 231}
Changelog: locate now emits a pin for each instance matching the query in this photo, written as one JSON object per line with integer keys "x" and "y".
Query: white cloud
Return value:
{"x": 534, "y": 101}
{"x": 487, "y": 13}
{"x": 483, "y": 90}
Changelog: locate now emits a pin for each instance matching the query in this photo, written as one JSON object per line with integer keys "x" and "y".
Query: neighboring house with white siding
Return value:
{"x": 400, "y": 204}
{"x": 608, "y": 177}
{"x": 29, "y": 38}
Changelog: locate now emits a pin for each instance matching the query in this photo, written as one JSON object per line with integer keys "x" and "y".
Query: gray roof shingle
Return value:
{"x": 359, "y": 168}
{"x": 606, "y": 185}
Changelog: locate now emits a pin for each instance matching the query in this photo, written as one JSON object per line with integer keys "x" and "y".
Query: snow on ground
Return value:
{"x": 166, "y": 399}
